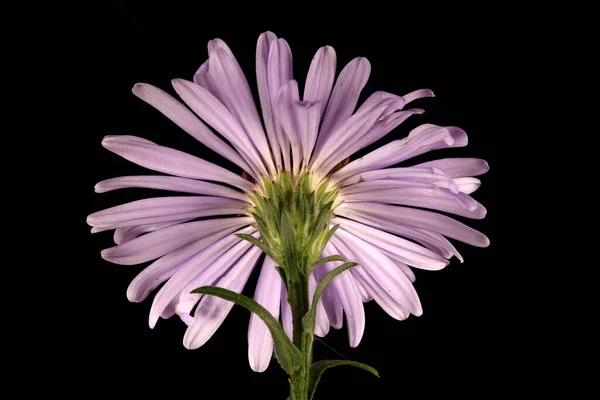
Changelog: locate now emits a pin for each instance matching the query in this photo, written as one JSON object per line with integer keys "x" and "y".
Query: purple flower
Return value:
{"x": 378, "y": 227}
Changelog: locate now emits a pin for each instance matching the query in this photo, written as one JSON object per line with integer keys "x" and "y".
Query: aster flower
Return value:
{"x": 295, "y": 166}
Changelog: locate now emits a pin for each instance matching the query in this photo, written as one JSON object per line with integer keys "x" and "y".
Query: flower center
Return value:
{"x": 293, "y": 214}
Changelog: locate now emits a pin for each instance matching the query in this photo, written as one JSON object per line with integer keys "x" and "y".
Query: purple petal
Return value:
{"x": 186, "y": 120}
{"x": 433, "y": 198}
{"x": 405, "y": 269}
{"x": 211, "y": 110}
{"x": 322, "y": 322}
{"x": 188, "y": 270}
{"x": 262, "y": 58}
{"x": 169, "y": 183}
{"x": 212, "y": 310}
{"x": 411, "y": 174}
{"x": 163, "y": 209}
{"x": 123, "y": 235}
{"x": 420, "y": 140}
{"x": 459, "y": 167}
{"x": 158, "y": 243}
{"x": 364, "y": 279}
{"x": 279, "y": 72}
{"x": 268, "y": 295}
{"x": 286, "y": 314}
{"x": 384, "y": 272}
{"x": 417, "y": 94}
{"x": 163, "y": 268}
{"x": 431, "y": 240}
{"x": 319, "y": 80}
{"x": 171, "y": 161}
{"x": 421, "y": 219}
{"x": 401, "y": 249}
{"x": 344, "y": 97}
{"x": 330, "y": 152}
{"x": 347, "y": 291}
{"x": 285, "y": 116}
{"x": 234, "y": 92}
{"x": 467, "y": 185}
{"x": 331, "y": 302}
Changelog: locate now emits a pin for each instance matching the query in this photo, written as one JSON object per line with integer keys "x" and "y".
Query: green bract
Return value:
{"x": 293, "y": 214}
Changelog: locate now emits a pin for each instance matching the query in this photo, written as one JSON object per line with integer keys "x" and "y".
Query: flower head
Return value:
{"x": 297, "y": 176}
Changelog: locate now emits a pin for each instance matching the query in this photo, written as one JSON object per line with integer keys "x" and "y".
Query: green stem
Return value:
{"x": 298, "y": 297}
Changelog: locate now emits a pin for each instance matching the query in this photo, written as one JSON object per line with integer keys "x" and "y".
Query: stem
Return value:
{"x": 298, "y": 297}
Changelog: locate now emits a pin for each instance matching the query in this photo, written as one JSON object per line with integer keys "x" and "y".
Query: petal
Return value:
{"x": 286, "y": 314}
{"x": 212, "y": 310}
{"x": 262, "y": 58}
{"x": 347, "y": 291}
{"x": 459, "y": 167}
{"x": 362, "y": 277}
{"x": 169, "y": 183}
{"x": 234, "y": 92}
{"x": 187, "y": 271}
{"x": 467, "y": 185}
{"x": 411, "y": 174}
{"x": 433, "y": 198}
{"x": 431, "y": 240}
{"x": 214, "y": 113}
{"x": 160, "y": 242}
{"x": 331, "y": 302}
{"x": 421, "y": 219}
{"x": 285, "y": 116}
{"x": 279, "y": 72}
{"x": 319, "y": 80}
{"x": 128, "y": 233}
{"x": 163, "y": 209}
{"x": 383, "y": 271}
{"x": 417, "y": 94}
{"x": 170, "y": 161}
{"x": 405, "y": 269}
{"x": 268, "y": 295}
{"x": 322, "y": 322}
{"x": 163, "y": 268}
{"x": 186, "y": 120}
{"x": 401, "y": 249}
{"x": 329, "y": 153}
{"x": 344, "y": 97}
{"x": 420, "y": 140}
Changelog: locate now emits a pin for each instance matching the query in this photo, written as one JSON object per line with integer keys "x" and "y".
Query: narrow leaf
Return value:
{"x": 308, "y": 321}
{"x": 288, "y": 355}
{"x": 326, "y": 260}
{"x": 257, "y": 243}
{"x": 317, "y": 369}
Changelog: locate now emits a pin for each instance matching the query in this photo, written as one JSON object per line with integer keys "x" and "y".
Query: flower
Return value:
{"x": 378, "y": 226}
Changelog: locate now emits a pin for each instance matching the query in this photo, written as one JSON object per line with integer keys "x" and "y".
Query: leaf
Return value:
{"x": 317, "y": 369}
{"x": 308, "y": 321}
{"x": 326, "y": 260}
{"x": 258, "y": 244}
{"x": 288, "y": 355}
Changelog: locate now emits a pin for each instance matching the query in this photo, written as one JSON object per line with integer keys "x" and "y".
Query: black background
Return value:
{"x": 453, "y": 349}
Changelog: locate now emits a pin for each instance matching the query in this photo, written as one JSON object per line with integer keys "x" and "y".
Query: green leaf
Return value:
{"x": 317, "y": 369}
{"x": 258, "y": 244}
{"x": 326, "y": 260}
{"x": 288, "y": 355}
{"x": 308, "y": 321}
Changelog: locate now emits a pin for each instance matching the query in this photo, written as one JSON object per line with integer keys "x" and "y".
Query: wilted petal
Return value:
{"x": 459, "y": 167}
{"x": 286, "y": 314}
{"x": 321, "y": 322}
{"x": 128, "y": 233}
